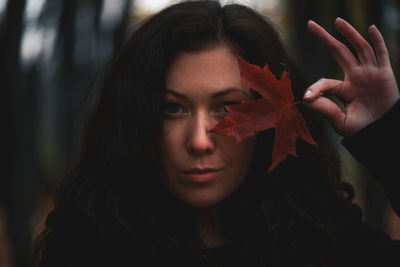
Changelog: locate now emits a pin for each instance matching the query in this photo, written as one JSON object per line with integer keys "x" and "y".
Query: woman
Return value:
{"x": 154, "y": 187}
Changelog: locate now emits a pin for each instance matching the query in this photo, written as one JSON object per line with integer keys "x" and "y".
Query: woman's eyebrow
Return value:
{"x": 172, "y": 92}
{"x": 229, "y": 91}
{"x": 214, "y": 95}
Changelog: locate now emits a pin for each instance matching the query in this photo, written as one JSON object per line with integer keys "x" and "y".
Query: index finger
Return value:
{"x": 342, "y": 54}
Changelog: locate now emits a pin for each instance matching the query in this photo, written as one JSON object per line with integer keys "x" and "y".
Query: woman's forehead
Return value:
{"x": 212, "y": 69}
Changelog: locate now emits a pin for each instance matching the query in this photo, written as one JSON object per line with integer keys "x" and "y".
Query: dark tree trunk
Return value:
{"x": 13, "y": 195}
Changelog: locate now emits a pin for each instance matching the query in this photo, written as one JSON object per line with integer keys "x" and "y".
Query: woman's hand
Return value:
{"x": 369, "y": 88}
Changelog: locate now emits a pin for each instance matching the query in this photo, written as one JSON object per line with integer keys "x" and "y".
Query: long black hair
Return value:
{"x": 112, "y": 208}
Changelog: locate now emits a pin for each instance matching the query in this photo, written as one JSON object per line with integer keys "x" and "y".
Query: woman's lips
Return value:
{"x": 201, "y": 176}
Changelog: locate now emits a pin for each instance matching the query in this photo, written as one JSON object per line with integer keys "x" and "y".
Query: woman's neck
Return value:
{"x": 208, "y": 227}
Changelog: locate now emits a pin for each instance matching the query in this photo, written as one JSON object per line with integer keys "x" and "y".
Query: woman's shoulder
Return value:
{"x": 365, "y": 245}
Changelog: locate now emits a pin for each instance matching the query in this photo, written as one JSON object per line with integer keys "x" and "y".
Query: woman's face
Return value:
{"x": 201, "y": 168}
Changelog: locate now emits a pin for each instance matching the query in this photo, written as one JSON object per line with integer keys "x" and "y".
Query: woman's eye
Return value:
{"x": 173, "y": 108}
{"x": 223, "y": 107}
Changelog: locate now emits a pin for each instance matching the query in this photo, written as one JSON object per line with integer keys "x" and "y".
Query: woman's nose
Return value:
{"x": 200, "y": 140}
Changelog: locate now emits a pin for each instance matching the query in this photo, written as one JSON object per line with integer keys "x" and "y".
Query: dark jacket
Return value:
{"x": 377, "y": 147}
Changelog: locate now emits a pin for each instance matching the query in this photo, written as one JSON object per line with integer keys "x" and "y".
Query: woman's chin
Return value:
{"x": 201, "y": 201}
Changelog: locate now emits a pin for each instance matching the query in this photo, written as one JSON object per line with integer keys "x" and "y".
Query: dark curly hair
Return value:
{"x": 113, "y": 209}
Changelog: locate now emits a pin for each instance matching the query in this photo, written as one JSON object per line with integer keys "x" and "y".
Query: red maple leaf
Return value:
{"x": 275, "y": 109}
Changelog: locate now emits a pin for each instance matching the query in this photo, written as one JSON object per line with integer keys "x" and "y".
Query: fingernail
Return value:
{"x": 308, "y": 94}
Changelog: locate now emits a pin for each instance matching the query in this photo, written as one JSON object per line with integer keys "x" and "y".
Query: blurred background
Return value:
{"x": 51, "y": 52}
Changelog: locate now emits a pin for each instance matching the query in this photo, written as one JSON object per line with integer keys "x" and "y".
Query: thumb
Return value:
{"x": 313, "y": 99}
